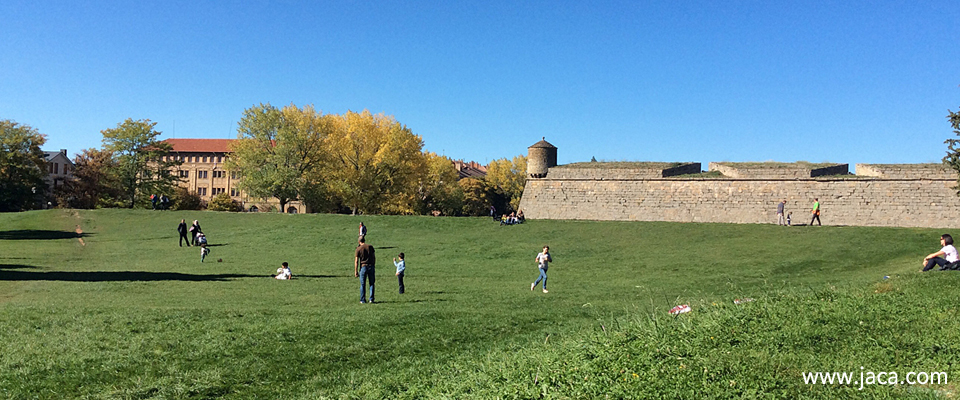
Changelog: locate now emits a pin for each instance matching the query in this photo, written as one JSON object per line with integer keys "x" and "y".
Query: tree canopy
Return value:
{"x": 137, "y": 154}
{"x": 22, "y": 166}
{"x": 509, "y": 176}
{"x": 280, "y": 151}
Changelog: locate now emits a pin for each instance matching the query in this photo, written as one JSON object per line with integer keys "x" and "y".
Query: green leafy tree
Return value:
{"x": 509, "y": 176}
{"x": 94, "y": 182}
{"x": 137, "y": 154}
{"x": 22, "y": 166}
{"x": 952, "y": 159}
{"x": 280, "y": 151}
{"x": 376, "y": 163}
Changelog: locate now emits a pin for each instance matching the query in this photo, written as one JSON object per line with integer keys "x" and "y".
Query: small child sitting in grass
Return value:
{"x": 283, "y": 273}
{"x": 203, "y": 251}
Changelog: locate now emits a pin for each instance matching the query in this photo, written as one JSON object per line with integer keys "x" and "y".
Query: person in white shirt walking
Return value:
{"x": 543, "y": 260}
{"x": 946, "y": 256}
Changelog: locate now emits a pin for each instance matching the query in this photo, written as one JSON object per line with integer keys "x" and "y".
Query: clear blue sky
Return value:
{"x": 842, "y": 81}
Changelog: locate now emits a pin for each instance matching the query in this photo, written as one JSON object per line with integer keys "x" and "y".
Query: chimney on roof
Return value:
{"x": 64, "y": 152}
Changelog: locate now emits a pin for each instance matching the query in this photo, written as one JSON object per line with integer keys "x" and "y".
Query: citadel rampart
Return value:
{"x": 911, "y": 195}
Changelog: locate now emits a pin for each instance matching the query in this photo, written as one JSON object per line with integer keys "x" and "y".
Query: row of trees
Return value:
{"x": 354, "y": 162}
{"x": 361, "y": 163}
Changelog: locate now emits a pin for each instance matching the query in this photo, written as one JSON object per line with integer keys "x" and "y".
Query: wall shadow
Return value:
{"x": 114, "y": 276}
{"x": 37, "y": 234}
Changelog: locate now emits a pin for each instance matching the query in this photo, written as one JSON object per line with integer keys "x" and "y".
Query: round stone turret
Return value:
{"x": 540, "y": 157}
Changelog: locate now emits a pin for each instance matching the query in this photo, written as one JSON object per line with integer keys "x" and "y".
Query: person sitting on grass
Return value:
{"x": 203, "y": 251}
{"x": 520, "y": 218}
{"x": 283, "y": 273}
{"x": 946, "y": 258}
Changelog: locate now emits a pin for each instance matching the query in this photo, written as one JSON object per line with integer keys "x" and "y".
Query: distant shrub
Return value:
{"x": 184, "y": 199}
{"x": 223, "y": 202}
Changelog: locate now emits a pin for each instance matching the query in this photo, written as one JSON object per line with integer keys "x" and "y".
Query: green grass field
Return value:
{"x": 131, "y": 315}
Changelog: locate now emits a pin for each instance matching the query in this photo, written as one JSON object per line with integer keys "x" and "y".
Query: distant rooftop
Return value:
{"x": 200, "y": 145}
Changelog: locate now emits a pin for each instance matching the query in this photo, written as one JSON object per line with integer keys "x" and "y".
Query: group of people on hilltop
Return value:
{"x": 197, "y": 237}
{"x": 785, "y": 219}
{"x": 365, "y": 260}
{"x": 513, "y": 218}
{"x": 161, "y": 202}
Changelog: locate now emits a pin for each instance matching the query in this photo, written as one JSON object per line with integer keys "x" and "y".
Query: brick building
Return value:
{"x": 202, "y": 172}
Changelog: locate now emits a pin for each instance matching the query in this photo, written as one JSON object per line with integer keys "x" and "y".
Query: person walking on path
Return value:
{"x": 194, "y": 230}
{"x": 401, "y": 268}
{"x": 493, "y": 212}
{"x": 816, "y": 212}
{"x": 543, "y": 259}
{"x": 946, "y": 256}
{"x": 780, "y": 218}
{"x": 182, "y": 229}
{"x": 364, "y": 267}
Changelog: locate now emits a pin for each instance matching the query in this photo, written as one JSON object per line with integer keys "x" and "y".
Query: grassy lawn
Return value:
{"x": 129, "y": 314}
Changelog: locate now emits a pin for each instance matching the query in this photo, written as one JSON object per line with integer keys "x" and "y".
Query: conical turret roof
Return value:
{"x": 543, "y": 144}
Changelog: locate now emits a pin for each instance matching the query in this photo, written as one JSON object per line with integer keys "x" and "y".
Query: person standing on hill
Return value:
{"x": 543, "y": 259}
{"x": 182, "y": 229}
{"x": 780, "y": 219}
{"x": 364, "y": 267}
{"x": 946, "y": 256}
{"x": 363, "y": 231}
{"x": 816, "y": 212}
{"x": 401, "y": 269}
{"x": 194, "y": 230}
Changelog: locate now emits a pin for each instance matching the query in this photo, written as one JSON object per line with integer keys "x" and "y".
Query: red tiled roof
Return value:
{"x": 200, "y": 145}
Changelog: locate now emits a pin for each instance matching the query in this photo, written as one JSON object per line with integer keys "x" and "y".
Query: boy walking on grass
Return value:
{"x": 542, "y": 262}
{"x": 203, "y": 251}
{"x": 401, "y": 267}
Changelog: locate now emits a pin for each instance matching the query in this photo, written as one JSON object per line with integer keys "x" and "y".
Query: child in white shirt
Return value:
{"x": 283, "y": 273}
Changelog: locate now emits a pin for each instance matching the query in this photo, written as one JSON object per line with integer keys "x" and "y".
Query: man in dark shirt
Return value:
{"x": 182, "y": 228}
{"x": 364, "y": 267}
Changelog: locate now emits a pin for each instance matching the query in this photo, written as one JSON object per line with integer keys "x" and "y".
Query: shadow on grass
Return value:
{"x": 114, "y": 276}
{"x": 33, "y": 234}
{"x": 217, "y": 245}
{"x": 16, "y": 266}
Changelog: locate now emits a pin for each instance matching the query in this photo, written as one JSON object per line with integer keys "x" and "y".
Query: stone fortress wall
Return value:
{"x": 904, "y": 195}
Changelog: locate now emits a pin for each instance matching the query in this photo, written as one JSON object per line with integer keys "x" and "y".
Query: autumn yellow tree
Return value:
{"x": 509, "y": 176}
{"x": 437, "y": 189}
{"x": 375, "y": 163}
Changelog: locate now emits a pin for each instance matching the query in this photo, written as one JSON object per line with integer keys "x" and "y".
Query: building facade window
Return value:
{"x": 204, "y": 158}
{"x": 56, "y": 168}
{"x": 217, "y": 191}
{"x": 202, "y": 174}
{"x": 219, "y": 174}
{"x": 234, "y": 175}
{"x": 183, "y": 174}
{"x": 234, "y": 192}
{"x": 219, "y": 159}
{"x": 202, "y": 191}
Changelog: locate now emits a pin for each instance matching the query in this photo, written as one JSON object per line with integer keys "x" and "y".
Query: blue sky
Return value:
{"x": 850, "y": 81}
